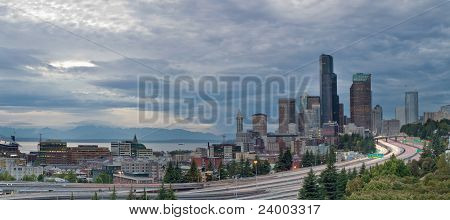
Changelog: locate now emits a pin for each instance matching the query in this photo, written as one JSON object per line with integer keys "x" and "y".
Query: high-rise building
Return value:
{"x": 259, "y": 122}
{"x": 286, "y": 111}
{"x": 377, "y": 119}
{"x": 312, "y": 100}
{"x": 312, "y": 121}
{"x": 400, "y": 115}
{"x": 411, "y": 107}
{"x": 329, "y": 100}
{"x": 239, "y": 122}
{"x": 341, "y": 120}
{"x": 361, "y": 100}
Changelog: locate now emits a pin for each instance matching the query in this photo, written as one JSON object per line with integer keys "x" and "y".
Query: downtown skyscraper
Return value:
{"x": 361, "y": 100}
{"x": 329, "y": 100}
{"x": 411, "y": 107}
{"x": 286, "y": 111}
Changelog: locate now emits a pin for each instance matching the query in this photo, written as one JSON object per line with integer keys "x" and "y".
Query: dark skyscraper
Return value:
{"x": 286, "y": 111}
{"x": 361, "y": 100}
{"x": 341, "y": 120}
{"x": 259, "y": 122}
{"x": 312, "y": 100}
{"x": 329, "y": 100}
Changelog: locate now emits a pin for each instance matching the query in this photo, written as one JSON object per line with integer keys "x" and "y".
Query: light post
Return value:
{"x": 256, "y": 172}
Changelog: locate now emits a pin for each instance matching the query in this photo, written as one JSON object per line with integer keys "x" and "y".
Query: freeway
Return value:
{"x": 283, "y": 185}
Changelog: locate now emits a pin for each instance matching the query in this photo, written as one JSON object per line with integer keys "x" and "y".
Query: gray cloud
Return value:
{"x": 219, "y": 37}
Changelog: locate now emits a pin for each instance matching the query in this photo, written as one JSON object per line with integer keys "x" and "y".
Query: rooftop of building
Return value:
{"x": 361, "y": 77}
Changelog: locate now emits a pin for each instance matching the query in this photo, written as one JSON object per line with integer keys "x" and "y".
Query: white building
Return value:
{"x": 18, "y": 172}
{"x": 144, "y": 153}
{"x": 120, "y": 148}
{"x": 351, "y": 128}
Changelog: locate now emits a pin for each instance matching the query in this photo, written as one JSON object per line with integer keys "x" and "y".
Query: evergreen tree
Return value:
{"x": 247, "y": 169}
{"x": 280, "y": 165}
{"x": 354, "y": 173}
{"x": 341, "y": 184}
{"x": 362, "y": 170}
{"x": 114, "y": 194}
{"x": 169, "y": 176}
{"x": 328, "y": 180}
{"x": 95, "y": 196}
{"x": 131, "y": 195}
{"x": 170, "y": 194}
{"x": 287, "y": 160}
{"x": 178, "y": 175}
{"x": 264, "y": 167}
{"x": 144, "y": 195}
{"x": 162, "y": 193}
{"x": 223, "y": 174}
{"x": 193, "y": 175}
{"x": 310, "y": 189}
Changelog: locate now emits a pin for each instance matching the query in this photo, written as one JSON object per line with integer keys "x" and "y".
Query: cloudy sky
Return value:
{"x": 69, "y": 62}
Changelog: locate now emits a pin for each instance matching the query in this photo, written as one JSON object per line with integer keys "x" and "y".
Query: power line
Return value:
{"x": 387, "y": 28}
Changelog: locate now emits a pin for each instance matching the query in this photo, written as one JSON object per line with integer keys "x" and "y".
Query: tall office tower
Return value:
{"x": 312, "y": 121}
{"x": 301, "y": 122}
{"x": 259, "y": 122}
{"x": 361, "y": 100}
{"x": 239, "y": 122}
{"x": 286, "y": 111}
{"x": 377, "y": 119}
{"x": 312, "y": 100}
{"x": 329, "y": 100}
{"x": 341, "y": 120}
{"x": 411, "y": 107}
{"x": 400, "y": 115}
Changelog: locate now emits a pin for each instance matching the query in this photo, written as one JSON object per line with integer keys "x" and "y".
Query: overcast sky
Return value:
{"x": 51, "y": 77}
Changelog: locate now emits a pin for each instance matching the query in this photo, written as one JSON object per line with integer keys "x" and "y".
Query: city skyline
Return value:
{"x": 62, "y": 81}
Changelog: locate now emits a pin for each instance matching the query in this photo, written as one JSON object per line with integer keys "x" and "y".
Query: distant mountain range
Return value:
{"x": 105, "y": 133}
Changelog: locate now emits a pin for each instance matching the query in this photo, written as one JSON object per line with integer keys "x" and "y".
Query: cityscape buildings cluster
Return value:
{"x": 310, "y": 124}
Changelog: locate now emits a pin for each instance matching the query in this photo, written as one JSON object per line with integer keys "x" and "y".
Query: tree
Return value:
{"x": 307, "y": 159}
{"x": 328, "y": 179}
{"x": 40, "y": 178}
{"x": 362, "y": 170}
{"x": 164, "y": 194}
{"x": 341, "y": 184}
{"x": 95, "y": 196}
{"x": 193, "y": 175}
{"x": 30, "y": 178}
{"x": 169, "y": 176}
{"x": 131, "y": 195}
{"x": 5, "y": 176}
{"x": 144, "y": 195}
{"x": 223, "y": 174}
{"x": 284, "y": 162}
{"x": 310, "y": 189}
{"x": 263, "y": 167}
{"x": 104, "y": 178}
{"x": 114, "y": 194}
{"x": 247, "y": 169}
